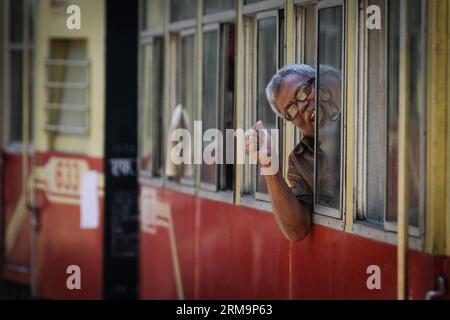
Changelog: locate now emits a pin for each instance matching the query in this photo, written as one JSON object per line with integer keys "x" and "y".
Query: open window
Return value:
{"x": 218, "y": 100}
{"x": 378, "y": 117}
{"x": 264, "y": 55}
{"x": 182, "y": 83}
{"x": 151, "y": 110}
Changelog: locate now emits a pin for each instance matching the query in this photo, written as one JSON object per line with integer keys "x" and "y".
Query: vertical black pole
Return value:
{"x": 121, "y": 187}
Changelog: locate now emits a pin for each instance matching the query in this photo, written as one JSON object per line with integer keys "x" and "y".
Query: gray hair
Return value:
{"x": 326, "y": 70}
{"x": 275, "y": 83}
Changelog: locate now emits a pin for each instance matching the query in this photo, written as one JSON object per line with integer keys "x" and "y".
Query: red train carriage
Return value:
{"x": 207, "y": 231}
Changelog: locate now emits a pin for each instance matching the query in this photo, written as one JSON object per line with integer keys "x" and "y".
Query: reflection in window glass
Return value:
{"x": 182, "y": 10}
{"x": 416, "y": 111}
{"x": 154, "y": 13}
{"x": 214, "y": 6}
{"x": 187, "y": 87}
{"x": 151, "y": 146}
{"x": 210, "y": 97}
{"x": 328, "y": 133}
{"x": 266, "y": 68}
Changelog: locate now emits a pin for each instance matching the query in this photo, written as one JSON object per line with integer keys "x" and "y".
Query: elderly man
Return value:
{"x": 291, "y": 94}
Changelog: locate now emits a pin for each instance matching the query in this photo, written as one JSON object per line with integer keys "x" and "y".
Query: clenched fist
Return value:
{"x": 258, "y": 144}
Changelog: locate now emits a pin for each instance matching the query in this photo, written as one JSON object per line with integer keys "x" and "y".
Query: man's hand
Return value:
{"x": 258, "y": 144}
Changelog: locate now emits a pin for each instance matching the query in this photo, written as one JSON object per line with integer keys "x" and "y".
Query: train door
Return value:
{"x": 18, "y": 52}
{"x": 69, "y": 175}
{"x": 85, "y": 128}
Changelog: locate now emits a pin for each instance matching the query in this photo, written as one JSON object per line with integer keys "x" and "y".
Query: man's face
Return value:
{"x": 287, "y": 95}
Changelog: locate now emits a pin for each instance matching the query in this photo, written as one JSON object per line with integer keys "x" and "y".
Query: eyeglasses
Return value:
{"x": 303, "y": 92}
{"x": 301, "y": 95}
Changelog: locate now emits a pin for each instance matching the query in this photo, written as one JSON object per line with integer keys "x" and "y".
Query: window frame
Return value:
{"x": 337, "y": 214}
{"x": 147, "y": 36}
{"x": 213, "y": 27}
{"x": 144, "y": 119}
{"x": 218, "y": 21}
{"x": 385, "y": 230}
{"x": 252, "y": 14}
{"x": 58, "y": 129}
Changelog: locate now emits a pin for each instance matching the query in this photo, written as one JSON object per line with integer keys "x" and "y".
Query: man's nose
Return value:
{"x": 312, "y": 96}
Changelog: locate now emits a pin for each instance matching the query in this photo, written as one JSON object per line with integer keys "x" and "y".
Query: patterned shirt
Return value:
{"x": 301, "y": 174}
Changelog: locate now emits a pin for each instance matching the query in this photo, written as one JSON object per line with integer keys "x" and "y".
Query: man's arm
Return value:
{"x": 292, "y": 216}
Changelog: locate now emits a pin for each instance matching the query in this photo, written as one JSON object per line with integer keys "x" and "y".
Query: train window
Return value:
{"x": 210, "y": 100}
{"x": 67, "y": 87}
{"x": 327, "y": 175}
{"x": 187, "y": 93}
{"x": 380, "y": 116}
{"x": 152, "y": 111}
{"x": 264, "y": 55}
{"x": 266, "y": 67}
{"x": 14, "y": 62}
{"x": 153, "y": 14}
{"x": 214, "y": 6}
{"x": 218, "y": 99}
{"x": 182, "y": 10}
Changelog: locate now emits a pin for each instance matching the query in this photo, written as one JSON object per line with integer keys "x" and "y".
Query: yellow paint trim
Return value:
{"x": 352, "y": 11}
{"x": 437, "y": 113}
{"x": 447, "y": 231}
{"x": 15, "y": 224}
{"x": 290, "y": 58}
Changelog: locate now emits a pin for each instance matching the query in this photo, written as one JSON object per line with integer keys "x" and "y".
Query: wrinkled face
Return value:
{"x": 287, "y": 95}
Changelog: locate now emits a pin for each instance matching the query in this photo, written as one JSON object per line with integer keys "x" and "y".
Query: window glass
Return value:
{"x": 182, "y": 10}
{"x": 376, "y": 126}
{"x": 15, "y": 67}
{"x": 267, "y": 65}
{"x": 416, "y": 108}
{"x": 214, "y": 6}
{"x": 210, "y": 97}
{"x": 328, "y": 112}
{"x": 382, "y": 100}
{"x": 151, "y": 145}
{"x": 15, "y": 103}
{"x": 154, "y": 13}
{"x": 187, "y": 88}
{"x": 227, "y": 92}
{"x": 15, "y": 21}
